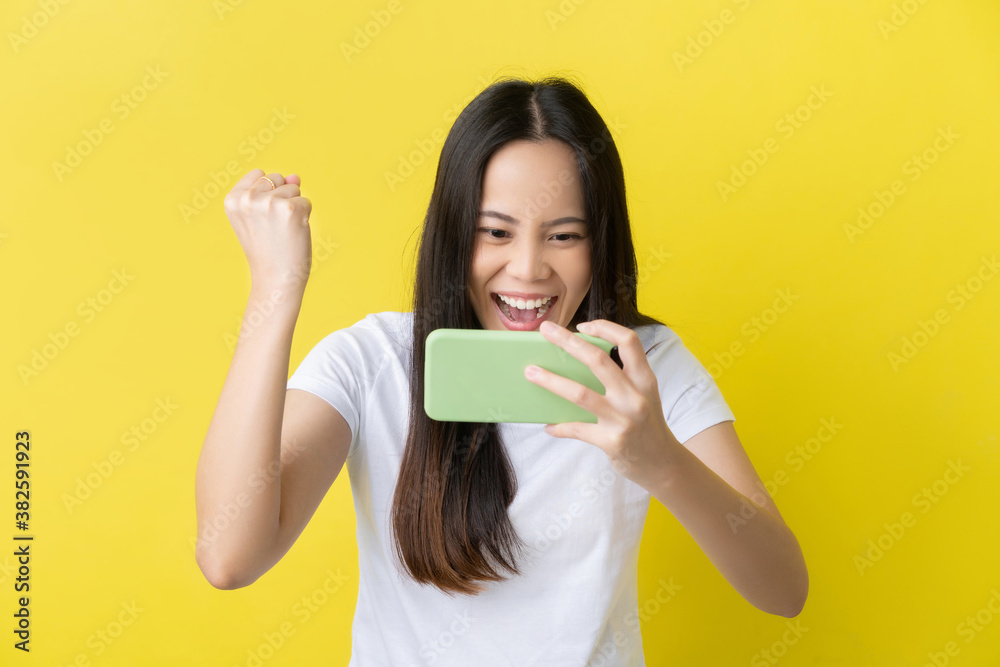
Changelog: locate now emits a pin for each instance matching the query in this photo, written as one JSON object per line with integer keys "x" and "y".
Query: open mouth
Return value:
{"x": 523, "y": 315}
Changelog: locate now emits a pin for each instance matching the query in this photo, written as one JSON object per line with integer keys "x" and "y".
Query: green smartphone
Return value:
{"x": 477, "y": 375}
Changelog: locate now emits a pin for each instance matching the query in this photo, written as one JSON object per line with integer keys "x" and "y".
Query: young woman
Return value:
{"x": 485, "y": 543}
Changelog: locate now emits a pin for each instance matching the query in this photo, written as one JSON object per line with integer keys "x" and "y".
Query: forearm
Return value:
{"x": 237, "y": 484}
{"x": 753, "y": 549}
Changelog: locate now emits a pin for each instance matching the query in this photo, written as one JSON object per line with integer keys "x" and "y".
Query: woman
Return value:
{"x": 485, "y": 543}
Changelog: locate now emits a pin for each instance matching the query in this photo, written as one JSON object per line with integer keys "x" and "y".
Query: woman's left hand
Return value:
{"x": 630, "y": 427}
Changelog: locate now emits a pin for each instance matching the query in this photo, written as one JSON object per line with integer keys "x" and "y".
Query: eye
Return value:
{"x": 489, "y": 232}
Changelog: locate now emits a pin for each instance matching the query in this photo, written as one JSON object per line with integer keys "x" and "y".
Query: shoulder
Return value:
{"x": 657, "y": 338}
{"x": 672, "y": 361}
{"x": 356, "y": 355}
{"x": 383, "y": 329}
{"x": 692, "y": 400}
{"x": 393, "y": 327}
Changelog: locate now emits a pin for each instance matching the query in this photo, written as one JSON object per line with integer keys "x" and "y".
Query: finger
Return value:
{"x": 304, "y": 207}
{"x": 584, "y": 431}
{"x": 248, "y": 179}
{"x": 263, "y": 185}
{"x": 630, "y": 349}
{"x": 574, "y": 392}
{"x": 294, "y": 178}
{"x": 596, "y": 359}
{"x": 301, "y": 206}
{"x": 288, "y": 190}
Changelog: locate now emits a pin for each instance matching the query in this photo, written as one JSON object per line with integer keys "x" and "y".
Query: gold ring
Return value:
{"x": 268, "y": 180}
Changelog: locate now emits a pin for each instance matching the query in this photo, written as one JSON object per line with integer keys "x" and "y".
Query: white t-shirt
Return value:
{"x": 576, "y": 601}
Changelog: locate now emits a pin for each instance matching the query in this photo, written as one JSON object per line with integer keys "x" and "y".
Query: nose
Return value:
{"x": 527, "y": 261}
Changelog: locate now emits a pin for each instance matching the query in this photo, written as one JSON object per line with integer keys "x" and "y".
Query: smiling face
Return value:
{"x": 531, "y": 239}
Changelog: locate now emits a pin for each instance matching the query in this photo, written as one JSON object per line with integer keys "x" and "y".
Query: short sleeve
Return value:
{"x": 338, "y": 370}
{"x": 691, "y": 400}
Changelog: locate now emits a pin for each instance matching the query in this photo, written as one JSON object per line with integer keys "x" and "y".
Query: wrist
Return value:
{"x": 270, "y": 300}
{"x": 679, "y": 465}
{"x": 287, "y": 289}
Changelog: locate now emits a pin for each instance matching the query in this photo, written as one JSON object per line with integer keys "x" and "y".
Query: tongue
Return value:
{"x": 523, "y": 315}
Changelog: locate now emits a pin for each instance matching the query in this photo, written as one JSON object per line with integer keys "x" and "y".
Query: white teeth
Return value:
{"x": 538, "y": 315}
{"x": 524, "y": 305}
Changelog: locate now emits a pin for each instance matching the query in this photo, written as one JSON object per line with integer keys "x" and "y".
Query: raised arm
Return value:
{"x": 269, "y": 455}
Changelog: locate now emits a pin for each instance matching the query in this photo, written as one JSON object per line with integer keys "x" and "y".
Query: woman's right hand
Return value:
{"x": 272, "y": 226}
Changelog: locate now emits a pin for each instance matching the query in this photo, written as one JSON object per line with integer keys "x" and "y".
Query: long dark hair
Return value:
{"x": 449, "y": 511}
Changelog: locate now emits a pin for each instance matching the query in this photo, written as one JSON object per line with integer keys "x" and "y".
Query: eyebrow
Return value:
{"x": 550, "y": 223}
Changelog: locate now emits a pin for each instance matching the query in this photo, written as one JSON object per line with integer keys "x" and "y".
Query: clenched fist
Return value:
{"x": 272, "y": 225}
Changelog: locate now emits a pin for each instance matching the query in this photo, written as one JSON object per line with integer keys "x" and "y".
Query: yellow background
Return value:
{"x": 895, "y": 72}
